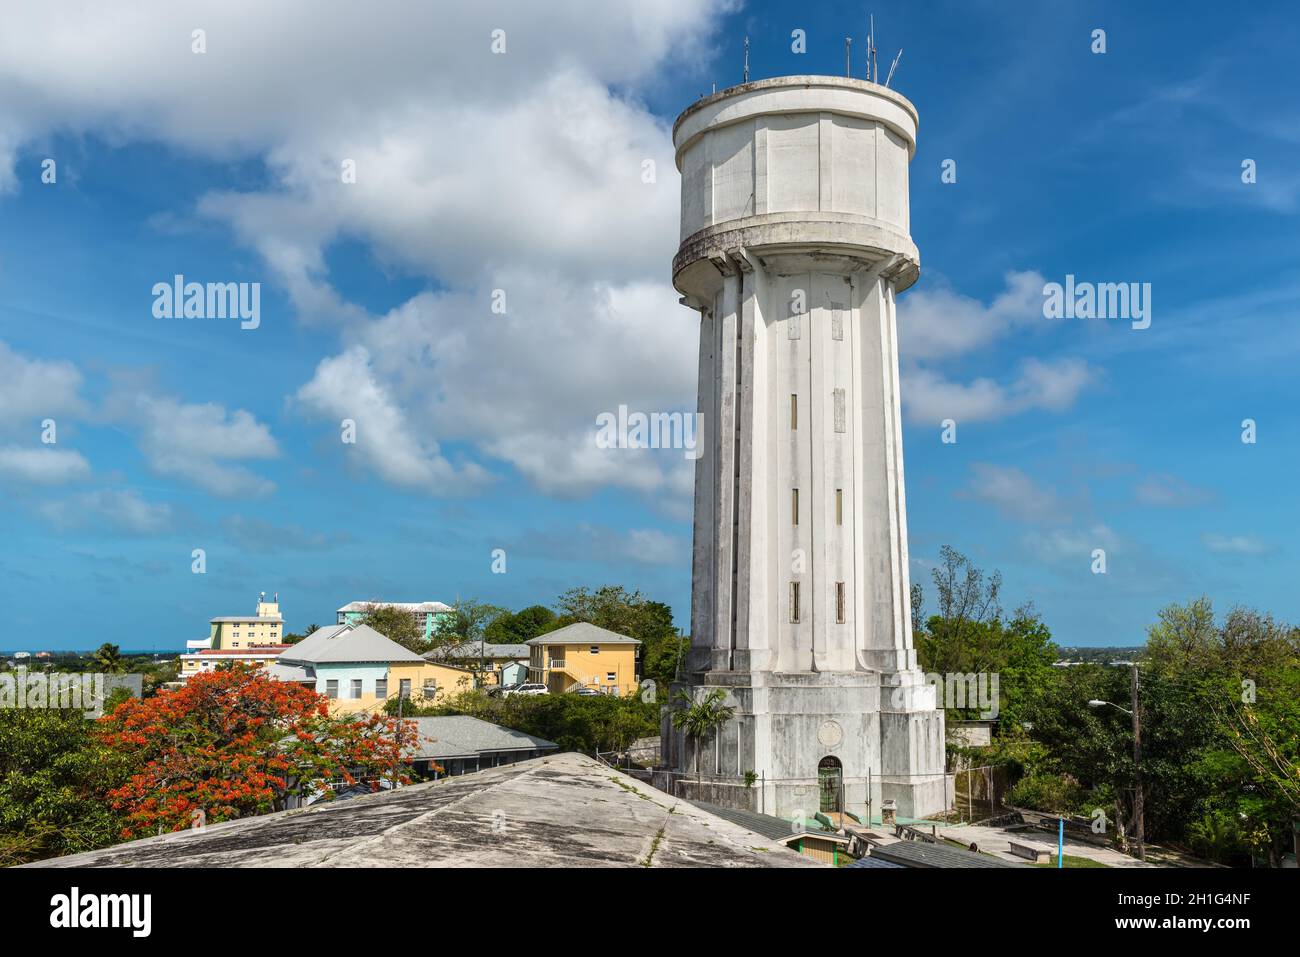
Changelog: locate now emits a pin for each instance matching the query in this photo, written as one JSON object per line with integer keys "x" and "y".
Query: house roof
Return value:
{"x": 925, "y": 854}
{"x": 268, "y": 618}
{"x": 872, "y": 861}
{"x": 341, "y": 644}
{"x": 463, "y": 736}
{"x": 774, "y": 828}
{"x": 416, "y": 606}
{"x": 259, "y": 652}
{"x": 470, "y": 649}
{"x": 560, "y": 810}
{"x": 582, "y": 633}
{"x": 282, "y": 672}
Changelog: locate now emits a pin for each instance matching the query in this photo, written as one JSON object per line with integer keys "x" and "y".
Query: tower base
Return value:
{"x": 805, "y": 742}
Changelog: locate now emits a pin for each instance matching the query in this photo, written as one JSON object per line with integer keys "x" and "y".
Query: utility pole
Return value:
{"x": 1138, "y": 822}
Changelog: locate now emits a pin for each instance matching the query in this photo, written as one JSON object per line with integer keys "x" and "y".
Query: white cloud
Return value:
{"x": 35, "y": 389}
{"x": 42, "y": 465}
{"x": 1169, "y": 491}
{"x": 520, "y": 172}
{"x": 1073, "y": 545}
{"x": 585, "y": 542}
{"x": 198, "y": 442}
{"x": 120, "y": 509}
{"x": 1236, "y": 545}
{"x": 1053, "y": 386}
{"x": 939, "y": 323}
{"x": 345, "y": 387}
{"x": 1013, "y": 493}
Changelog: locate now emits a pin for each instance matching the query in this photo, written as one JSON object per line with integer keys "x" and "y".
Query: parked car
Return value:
{"x": 584, "y": 690}
{"x": 528, "y": 689}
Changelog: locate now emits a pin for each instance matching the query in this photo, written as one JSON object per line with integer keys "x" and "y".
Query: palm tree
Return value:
{"x": 109, "y": 659}
{"x": 701, "y": 718}
{"x": 310, "y": 629}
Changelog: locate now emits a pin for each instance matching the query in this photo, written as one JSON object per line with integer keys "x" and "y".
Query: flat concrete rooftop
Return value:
{"x": 564, "y": 810}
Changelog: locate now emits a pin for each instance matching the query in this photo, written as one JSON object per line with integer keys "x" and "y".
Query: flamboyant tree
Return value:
{"x": 234, "y": 743}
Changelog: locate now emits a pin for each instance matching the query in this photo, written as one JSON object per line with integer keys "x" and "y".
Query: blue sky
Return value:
{"x": 522, "y": 172}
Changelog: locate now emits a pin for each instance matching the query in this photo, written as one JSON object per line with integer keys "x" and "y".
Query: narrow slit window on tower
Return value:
{"x": 794, "y": 506}
{"x": 794, "y": 603}
{"x": 839, "y": 602}
{"x": 794, "y": 411}
{"x": 839, "y": 506}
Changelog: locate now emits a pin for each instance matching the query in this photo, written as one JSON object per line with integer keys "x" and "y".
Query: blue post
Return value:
{"x": 1060, "y": 843}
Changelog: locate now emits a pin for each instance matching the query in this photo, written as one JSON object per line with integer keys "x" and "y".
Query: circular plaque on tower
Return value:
{"x": 830, "y": 734}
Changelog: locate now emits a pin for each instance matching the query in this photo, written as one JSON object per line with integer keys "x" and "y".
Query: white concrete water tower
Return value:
{"x": 794, "y": 243}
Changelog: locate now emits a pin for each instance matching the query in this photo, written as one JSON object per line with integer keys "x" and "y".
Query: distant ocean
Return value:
{"x": 33, "y": 649}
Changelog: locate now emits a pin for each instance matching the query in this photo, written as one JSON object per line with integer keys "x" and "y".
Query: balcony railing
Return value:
{"x": 557, "y": 662}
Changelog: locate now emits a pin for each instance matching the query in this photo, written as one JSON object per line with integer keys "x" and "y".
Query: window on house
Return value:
{"x": 332, "y": 688}
{"x": 839, "y": 506}
{"x": 794, "y": 506}
{"x": 794, "y": 603}
{"x": 794, "y": 411}
{"x": 611, "y": 676}
{"x": 839, "y": 602}
{"x": 381, "y": 687}
{"x": 595, "y": 649}
{"x": 356, "y": 687}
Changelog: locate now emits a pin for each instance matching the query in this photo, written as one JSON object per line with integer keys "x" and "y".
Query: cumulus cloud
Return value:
{"x": 1053, "y": 386}
{"x": 521, "y": 172}
{"x": 35, "y": 389}
{"x": 199, "y": 442}
{"x": 587, "y": 542}
{"x": 939, "y": 325}
{"x": 346, "y": 387}
{"x": 1073, "y": 545}
{"x": 1013, "y": 493}
{"x": 1236, "y": 545}
{"x": 120, "y": 509}
{"x": 42, "y": 465}
{"x": 1169, "y": 491}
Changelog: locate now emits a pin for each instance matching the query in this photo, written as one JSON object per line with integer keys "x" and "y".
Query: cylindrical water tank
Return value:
{"x": 816, "y": 162}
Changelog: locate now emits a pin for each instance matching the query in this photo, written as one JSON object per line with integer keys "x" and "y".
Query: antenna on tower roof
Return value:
{"x": 873, "y": 73}
{"x": 746, "y": 80}
{"x": 848, "y": 56}
{"x": 894, "y": 66}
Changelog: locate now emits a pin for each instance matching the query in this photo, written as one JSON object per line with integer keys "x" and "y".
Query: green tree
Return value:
{"x": 108, "y": 659}
{"x": 514, "y": 628}
{"x": 699, "y": 719}
{"x": 53, "y": 776}
{"x": 397, "y": 624}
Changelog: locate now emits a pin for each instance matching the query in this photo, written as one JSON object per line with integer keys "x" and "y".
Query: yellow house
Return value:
{"x": 211, "y": 659}
{"x": 429, "y": 680}
{"x": 583, "y": 654}
{"x": 263, "y": 627}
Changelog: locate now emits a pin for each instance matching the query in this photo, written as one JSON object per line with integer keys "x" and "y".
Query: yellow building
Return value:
{"x": 583, "y": 654}
{"x": 210, "y": 659}
{"x": 263, "y": 627}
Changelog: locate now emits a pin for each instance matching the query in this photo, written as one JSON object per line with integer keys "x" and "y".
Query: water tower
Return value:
{"x": 794, "y": 244}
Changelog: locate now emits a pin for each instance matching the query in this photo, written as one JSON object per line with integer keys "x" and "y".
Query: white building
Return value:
{"x": 794, "y": 242}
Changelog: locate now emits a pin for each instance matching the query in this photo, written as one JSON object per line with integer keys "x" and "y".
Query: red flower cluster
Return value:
{"x": 234, "y": 743}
